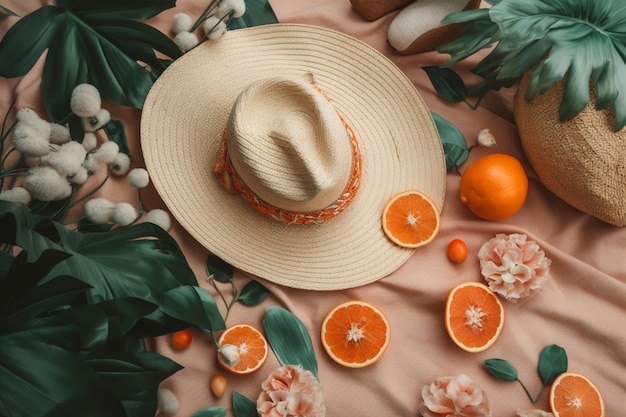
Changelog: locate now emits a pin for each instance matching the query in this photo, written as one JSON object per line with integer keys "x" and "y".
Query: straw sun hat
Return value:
{"x": 301, "y": 124}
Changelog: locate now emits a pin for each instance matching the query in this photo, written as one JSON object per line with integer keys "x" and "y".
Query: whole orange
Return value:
{"x": 494, "y": 186}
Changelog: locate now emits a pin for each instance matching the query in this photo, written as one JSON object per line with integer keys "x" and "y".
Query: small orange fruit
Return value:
{"x": 574, "y": 395}
{"x": 251, "y": 347}
{"x": 474, "y": 316}
{"x": 411, "y": 219}
{"x": 181, "y": 339}
{"x": 494, "y": 186}
{"x": 355, "y": 334}
{"x": 457, "y": 250}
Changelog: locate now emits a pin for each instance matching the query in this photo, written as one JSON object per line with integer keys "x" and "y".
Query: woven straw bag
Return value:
{"x": 582, "y": 161}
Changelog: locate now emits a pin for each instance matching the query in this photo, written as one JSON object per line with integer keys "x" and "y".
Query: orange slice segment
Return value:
{"x": 251, "y": 346}
{"x": 355, "y": 334}
{"x": 574, "y": 395}
{"x": 411, "y": 219}
{"x": 474, "y": 316}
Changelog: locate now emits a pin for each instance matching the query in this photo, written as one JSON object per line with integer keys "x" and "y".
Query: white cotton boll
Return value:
{"x": 85, "y": 100}
{"x": 80, "y": 177}
{"x": 96, "y": 122}
{"x": 138, "y": 178}
{"x": 159, "y": 217}
{"x": 168, "y": 403}
{"x": 486, "y": 138}
{"x": 67, "y": 159}
{"x": 107, "y": 152}
{"x": 92, "y": 164}
{"x": 214, "y": 27}
{"x": 46, "y": 184}
{"x": 90, "y": 141}
{"x": 238, "y": 7}
{"x": 59, "y": 134}
{"x": 121, "y": 164}
{"x": 181, "y": 23}
{"x": 124, "y": 214}
{"x": 99, "y": 210}
{"x": 186, "y": 41}
{"x": 16, "y": 195}
{"x": 31, "y": 134}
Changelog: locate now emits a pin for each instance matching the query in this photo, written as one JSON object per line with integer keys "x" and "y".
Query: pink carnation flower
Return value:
{"x": 457, "y": 396}
{"x": 291, "y": 391}
{"x": 513, "y": 266}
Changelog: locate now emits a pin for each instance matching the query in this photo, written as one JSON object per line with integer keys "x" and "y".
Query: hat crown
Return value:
{"x": 288, "y": 144}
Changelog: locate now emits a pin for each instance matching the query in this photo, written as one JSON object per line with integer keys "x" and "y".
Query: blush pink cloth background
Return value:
{"x": 582, "y": 307}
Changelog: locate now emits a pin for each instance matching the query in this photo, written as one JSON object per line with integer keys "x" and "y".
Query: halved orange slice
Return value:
{"x": 411, "y": 219}
{"x": 251, "y": 346}
{"x": 574, "y": 395}
{"x": 355, "y": 334}
{"x": 474, "y": 316}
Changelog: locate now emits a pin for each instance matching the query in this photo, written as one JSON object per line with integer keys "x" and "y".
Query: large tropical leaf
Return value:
{"x": 60, "y": 356}
{"x": 141, "y": 261}
{"x": 583, "y": 41}
{"x": 99, "y": 42}
{"x": 70, "y": 346}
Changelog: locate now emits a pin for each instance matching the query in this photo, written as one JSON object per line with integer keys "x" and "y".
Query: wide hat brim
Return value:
{"x": 181, "y": 131}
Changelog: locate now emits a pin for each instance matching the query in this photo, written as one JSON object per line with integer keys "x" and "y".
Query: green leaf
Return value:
{"x": 176, "y": 303}
{"x": 501, "y": 369}
{"x": 210, "y": 412}
{"x": 140, "y": 261}
{"x": 82, "y": 47}
{"x": 88, "y": 340}
{"x": 258, "y": 12}
{"x": 219, "y": 269}
{"x": 26, "y": 40}
{"x": 243, "y": 407}
{"x": 253, "y": 293}
{"x": 447, "y": 83}
{"x": 453, "y": 141}
{"x": 289, "y": 339}
{"x": 552, "y": 363}
{"x": 117, "y": 133}
{"x": 582, "y": 41}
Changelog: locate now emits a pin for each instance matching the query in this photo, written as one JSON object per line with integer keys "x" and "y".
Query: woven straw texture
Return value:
{"x": 582, "y": 161}
{"x": 187, "y": 109}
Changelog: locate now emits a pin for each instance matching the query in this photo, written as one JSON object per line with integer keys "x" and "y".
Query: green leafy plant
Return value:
{"x": 552, "y": 363}
{"x": 76, "y": 309}
{"x": 581, "y": 40}
{"x": 102, "y": 43}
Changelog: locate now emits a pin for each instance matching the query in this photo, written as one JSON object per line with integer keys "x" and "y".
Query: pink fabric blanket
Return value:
{"x": 582, "y": 308}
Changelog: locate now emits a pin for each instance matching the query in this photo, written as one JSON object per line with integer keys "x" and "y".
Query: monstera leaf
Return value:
{"x": 141, "y": 261}
{"x": 61, "y": 356}
{"x": 75, "y": 310}
{"x": 100, "y": 42}
{"x": 582, "y": 40}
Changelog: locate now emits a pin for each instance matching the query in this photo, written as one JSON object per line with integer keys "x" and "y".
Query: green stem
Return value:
{"x": 212, "y": 282}
{"x": 233, "y": 301}
{"x": 530, "y": 397}
{"x": 536, "y": 399}
{"x": 204, "y": 15}
{"x": 90, "y": 193}
{"x": 475, "y": 105}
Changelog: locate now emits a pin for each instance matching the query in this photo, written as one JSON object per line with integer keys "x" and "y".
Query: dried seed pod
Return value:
{"x": 218, "y": 385}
